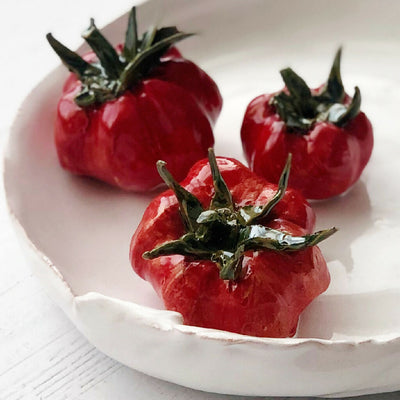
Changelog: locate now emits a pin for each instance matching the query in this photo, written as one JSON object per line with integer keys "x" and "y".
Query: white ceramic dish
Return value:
{"x": 77, "y": 231}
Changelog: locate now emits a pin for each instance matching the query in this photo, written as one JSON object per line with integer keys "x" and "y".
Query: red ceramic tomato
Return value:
{"x": 123, "y": 109}
{"x": 330, "y": 138}
{"x": 230, "y": 251}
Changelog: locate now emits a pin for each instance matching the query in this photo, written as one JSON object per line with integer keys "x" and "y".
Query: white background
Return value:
{"x": 42, "y": 355}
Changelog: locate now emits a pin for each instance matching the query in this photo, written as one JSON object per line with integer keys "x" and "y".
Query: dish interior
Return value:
{"x": 84, "y": 226}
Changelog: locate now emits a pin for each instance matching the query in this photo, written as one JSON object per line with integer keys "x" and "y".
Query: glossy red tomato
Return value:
{"x": 122, "y": 110}
{"x": 329, "y": 137}
{"x": 229, "y": 253}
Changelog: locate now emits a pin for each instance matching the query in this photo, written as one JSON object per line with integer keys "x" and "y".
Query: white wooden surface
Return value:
{"x": 42, "y": 355}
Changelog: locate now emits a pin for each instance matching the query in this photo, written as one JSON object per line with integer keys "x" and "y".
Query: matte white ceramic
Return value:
{"x": 76, "y": 231}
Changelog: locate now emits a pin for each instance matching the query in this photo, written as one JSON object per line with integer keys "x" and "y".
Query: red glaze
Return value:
{"x": 169, "y": 115}
{"x": 274, "y": 288}
{"x": 326, "y": 161}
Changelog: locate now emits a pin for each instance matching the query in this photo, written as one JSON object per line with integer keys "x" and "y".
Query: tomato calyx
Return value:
{"x": 112, "y": 74}
{"x": 224, "y": 232}
{"x": 300, "y": 109}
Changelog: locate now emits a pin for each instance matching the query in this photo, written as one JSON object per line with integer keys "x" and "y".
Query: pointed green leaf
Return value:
{"x": 256, "y": 237}
{"x": 131, "y": 37}
{"x": 133, "y": 70}
{"x": 164, "y": 33}
{"x": 296, "y": 85}
{"x": 189, "y": 206}
{"x": 334, "y": 90}
{"x": 251, "y": 214}
{"x": 222, "y": 197}
{"x": 352, "y": 110}
{"x": 187, "y": 245}
{"x": 299, "y": 91}
{"x": 105, "y": 52}
{"x": 148, "y": 38}
{"x": 74, "y": 62}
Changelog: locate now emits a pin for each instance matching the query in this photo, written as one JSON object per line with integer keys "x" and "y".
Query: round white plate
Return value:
{"x": 76, "y": 231}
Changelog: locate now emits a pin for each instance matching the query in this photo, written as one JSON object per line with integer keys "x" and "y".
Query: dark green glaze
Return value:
{"x": 114, "y": 73}
{"x": 224, "y": 232}
{"x": 300, "y": 109}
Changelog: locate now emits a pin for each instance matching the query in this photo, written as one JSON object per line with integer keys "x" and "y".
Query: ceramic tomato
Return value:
{"x": 330, "y": 138}
{"x": 124, "y": 108}
{"x": 230, "y": 251}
